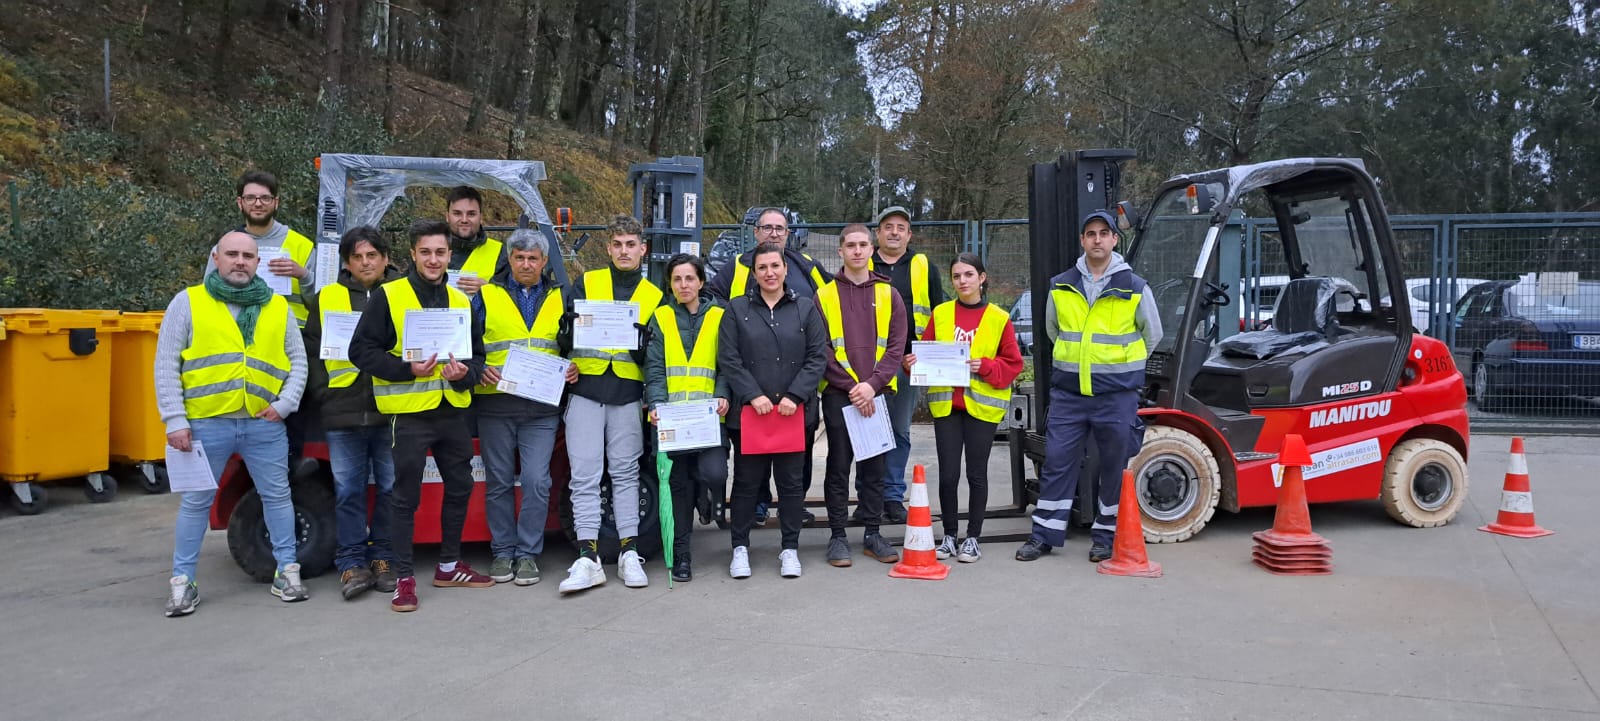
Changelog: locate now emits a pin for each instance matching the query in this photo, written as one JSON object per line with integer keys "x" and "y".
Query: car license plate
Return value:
{"x": 1586, "y": 342}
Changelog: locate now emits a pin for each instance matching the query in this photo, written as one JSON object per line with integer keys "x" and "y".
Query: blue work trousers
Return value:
{"x": 1112, "y": 419}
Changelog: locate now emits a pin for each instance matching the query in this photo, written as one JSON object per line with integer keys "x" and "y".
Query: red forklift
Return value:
{"x": 1382, "y": 408}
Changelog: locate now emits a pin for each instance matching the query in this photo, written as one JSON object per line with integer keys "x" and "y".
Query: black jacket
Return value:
{"x": 351, "y": 406}
{"x": 375, "y": 335}
{"x": 609, "y": 389}
{"x": 778, "y": 351}
{"x": 505, "y": 404}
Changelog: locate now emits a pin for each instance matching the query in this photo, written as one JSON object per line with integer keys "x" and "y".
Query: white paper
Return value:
{"x": 603, "y": 324}
{"x": 189, "y": 471}
{"x": 337, "y": 327}
{"x": 440, "y": 332}
{"x": 280, "y": 284}
{"x": 688, "y": 425}
{"x": 453, "y": 277}
{"x": 869, "y": 437}
{"x": 941, "y": 364}
{"x": 534, "y": 375}
{"x": 327, "y": 264}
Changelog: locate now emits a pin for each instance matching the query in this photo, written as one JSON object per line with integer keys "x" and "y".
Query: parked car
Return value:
{"x": 1022, "y": 321}
{"x": 1518, "y": 337}
{"x": 1421, "y": 291}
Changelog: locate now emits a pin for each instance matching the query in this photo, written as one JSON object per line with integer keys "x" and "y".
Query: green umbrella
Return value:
{"x": 664, "y": 507}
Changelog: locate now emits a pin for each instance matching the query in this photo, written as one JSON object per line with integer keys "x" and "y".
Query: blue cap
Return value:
{"x": 1101, "y": 215}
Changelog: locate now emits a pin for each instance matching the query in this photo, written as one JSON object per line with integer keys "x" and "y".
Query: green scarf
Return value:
{"x": 249, "y": 299}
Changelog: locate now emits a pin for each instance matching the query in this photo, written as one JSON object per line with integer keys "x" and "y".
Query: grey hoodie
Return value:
{"x": 1148, "y": 321}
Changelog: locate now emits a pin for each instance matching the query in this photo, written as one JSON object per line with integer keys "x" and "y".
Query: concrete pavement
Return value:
{"x": 1445, "y": 623}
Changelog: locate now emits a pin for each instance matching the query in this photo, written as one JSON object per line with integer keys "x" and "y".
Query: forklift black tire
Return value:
{"x": 41, "y": 501}
{"x": 1424, "y": 483}
{"x": 316, "y": 534}
{"x": 1179, "y": 484}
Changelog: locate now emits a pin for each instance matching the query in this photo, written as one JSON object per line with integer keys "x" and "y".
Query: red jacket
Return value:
{"x": 860, "y": 322}
{"x": 998, "y": 371}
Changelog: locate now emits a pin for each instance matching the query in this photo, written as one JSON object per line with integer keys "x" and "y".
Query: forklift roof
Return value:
{"x": 371, "y": 183}
{"x": 1241, "y": 179}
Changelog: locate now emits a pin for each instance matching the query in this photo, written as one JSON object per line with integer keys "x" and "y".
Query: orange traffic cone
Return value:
{"x": 1128, "y": 557}
{"x": 1516, "y": 501}
{"x": 1290, "y": 548}
{"x": 917, "y": 559}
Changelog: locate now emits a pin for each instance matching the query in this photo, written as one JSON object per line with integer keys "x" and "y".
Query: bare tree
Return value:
{"x": 627, "y": 78}
{"x": 331, "y": 92}
{"x": 484, "y": 71}
{"x": 516, "y": 148}
{"x": 555, "y": 91}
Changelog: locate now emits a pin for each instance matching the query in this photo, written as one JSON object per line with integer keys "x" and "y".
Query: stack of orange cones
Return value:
{"x": 917, "y": 559}
{"x": 1289, "y": 548}
{"x": 1128, "y": 557}
{"x": 1516, "y": 501}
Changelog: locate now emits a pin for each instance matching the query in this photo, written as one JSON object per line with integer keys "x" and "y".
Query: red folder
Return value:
{"x": 772, "y": 433}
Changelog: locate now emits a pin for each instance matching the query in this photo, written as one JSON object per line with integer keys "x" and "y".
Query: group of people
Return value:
{"x": 771, "y": 333}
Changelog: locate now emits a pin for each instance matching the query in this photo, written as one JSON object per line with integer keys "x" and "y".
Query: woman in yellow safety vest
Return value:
{"x": 965, "y": 418}
{"x": 681, "y": 367}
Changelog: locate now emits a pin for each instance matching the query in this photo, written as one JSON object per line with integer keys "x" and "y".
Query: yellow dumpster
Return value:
{"x": 55, "y": 383}
{"x": 138, "y": 437}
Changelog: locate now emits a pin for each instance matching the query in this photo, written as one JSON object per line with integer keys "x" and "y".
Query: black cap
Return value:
{"x": 1101, "y": 215}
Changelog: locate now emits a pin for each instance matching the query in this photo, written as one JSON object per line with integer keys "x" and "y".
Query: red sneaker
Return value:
{"x": 405, "y": 595}
{"x": 462, "y": 577}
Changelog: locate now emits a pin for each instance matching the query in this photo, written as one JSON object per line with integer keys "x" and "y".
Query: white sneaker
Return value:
{"x": 185, "y": 596}
{"x": 740, "y": 568}
{"x": 789, "y": 563}
{"x": 584, "y": 574}
{"x": 631, "y": 568}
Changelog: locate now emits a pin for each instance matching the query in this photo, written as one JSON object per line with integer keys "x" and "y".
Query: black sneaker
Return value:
{"x": 681, "y": 571}
{"x": 894, "y": 513}
{"x": 1032, "y": 550}
{"x": 875, "y": 547}
{"x": 838, "y": 552}
{"x": 807, "y": 518}
{"x": 1099, "y": 552}
{"x": 859, "y": 515}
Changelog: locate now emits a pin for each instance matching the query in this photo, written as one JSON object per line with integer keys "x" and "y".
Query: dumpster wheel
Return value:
{"x": 107, "y": 491}
{"x": 38, "y": 500}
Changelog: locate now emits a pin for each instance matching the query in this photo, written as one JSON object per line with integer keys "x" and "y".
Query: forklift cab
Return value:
{"x": 1327, "y": 336}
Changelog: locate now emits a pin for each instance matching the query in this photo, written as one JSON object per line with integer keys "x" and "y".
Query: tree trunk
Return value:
{"x": 391, "y": 45}
{"x": 484, "y": 70}
{"x": 221, "y": 78}
{"x": 517, "y": 146}
{"x": 667, "y": 94}
{"x": 747, "y": 122}
{"x": 628, "y": 76}
{"x": 555, "y": 92}
{"x": 332, "y": 90}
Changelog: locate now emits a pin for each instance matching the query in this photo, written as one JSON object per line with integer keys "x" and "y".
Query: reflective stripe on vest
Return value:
{"x": 503, "y": 327}
{"x": 220, "y": 374}
{"x": 299, "y": 248}
{"x": 741, "y": 275}
{"x": 828, "y": 301}
{"x": 1104, "y": 340}
{"x": 335, "y": 297}
{"x": 593, "y": 362}
{"x": 691, "y": 376}
{"x": 484, "y": 259}
{"x": 421, "y": 394}
{"x": 983, "y": 401}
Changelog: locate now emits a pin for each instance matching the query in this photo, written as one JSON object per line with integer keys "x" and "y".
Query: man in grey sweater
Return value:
{"x": 230, "y": 366}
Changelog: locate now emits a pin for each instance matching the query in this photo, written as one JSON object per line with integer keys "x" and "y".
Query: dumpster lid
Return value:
{"x": 136, "y": 322}
{"x": 52, "y": 320}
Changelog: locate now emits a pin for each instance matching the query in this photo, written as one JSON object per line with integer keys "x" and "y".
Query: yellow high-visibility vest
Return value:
{"x": 335, "y": 297}
{"x": 503, "y": 327}
{"x": 1102, "y": 340}
{"x": 417, "y": 394}
{"x": 690, "y": 375}
{"x": 484, "y": 259}
{"x": 741, "y": 276}
{"x": 595, "y": 362}
{"x": 222, "y": 375}
{"x": 299, "y": 248}
{"x": 983, "y": 401}
{"x": 828, "y": 301}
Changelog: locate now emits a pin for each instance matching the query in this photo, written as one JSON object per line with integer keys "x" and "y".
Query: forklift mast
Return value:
{"x": 667, "y": 197}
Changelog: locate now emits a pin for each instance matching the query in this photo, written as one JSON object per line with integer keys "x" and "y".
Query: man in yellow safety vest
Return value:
{"x": 917, "y": 282}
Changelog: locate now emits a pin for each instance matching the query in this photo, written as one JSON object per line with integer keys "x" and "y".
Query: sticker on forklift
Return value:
{"x": 1334, "y": 460}
{"x": 691, "y": 209}
{"x": 430, "y": 471}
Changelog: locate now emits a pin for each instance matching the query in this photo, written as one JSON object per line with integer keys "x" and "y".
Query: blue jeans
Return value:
{"x": 516, "y": 533}
{"x": 901, "y": 405}
{"x": 359, "y": 455}
{"x": 264, "y": 446}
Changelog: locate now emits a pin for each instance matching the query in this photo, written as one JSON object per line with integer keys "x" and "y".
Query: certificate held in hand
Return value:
{"x": 771, "y": 433}
{"x": 437, "y": 333}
